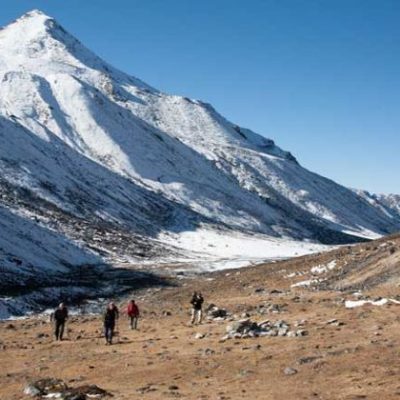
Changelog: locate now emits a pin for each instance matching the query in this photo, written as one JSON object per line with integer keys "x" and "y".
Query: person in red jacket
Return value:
{"x": 133, "y": 314}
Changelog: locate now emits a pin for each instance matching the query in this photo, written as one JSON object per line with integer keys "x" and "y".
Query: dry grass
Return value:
{"x": 356, "y": 360}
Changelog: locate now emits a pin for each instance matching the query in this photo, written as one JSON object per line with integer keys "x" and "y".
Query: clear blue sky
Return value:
{"x": 320, "y": 77}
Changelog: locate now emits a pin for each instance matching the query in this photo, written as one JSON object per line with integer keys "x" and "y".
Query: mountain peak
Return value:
{"x": 35, "y": 41}
{"x": 35, "y": 20}
{"x": 35, "y": 13}
{"x": 31, "y": 26}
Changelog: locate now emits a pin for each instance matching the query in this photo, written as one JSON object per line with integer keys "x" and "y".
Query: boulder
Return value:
{"x": 290, "y": 371}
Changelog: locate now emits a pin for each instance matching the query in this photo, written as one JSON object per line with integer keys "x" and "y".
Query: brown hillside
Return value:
{"x": 343, "y": 354}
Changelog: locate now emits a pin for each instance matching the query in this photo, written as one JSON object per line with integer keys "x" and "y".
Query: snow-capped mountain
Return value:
{"x": 98, "y": 167}
{"x": 391, "y": 201}
{"x": 387, "y": 203}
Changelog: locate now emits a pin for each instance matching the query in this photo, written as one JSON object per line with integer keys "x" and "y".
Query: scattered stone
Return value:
{"x": 245, "y": 372}
{"x": 51, "y": 387}
{"x": 32, "y": 391}
{"x": 290, "y": 371}
{"x": 215, "y": 313}
{"x": 334, "y": 322}
{"x": 146, "y": 389}
{"x": 306, "y": 360}
{"x": 331, "y": 321}
{"x": 208, "y": 352}
{"x": 43, "y": 387}
{"x": 199, "y": 335}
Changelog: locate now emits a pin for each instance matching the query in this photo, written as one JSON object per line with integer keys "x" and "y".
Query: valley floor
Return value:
{"x": 348, "y": 353}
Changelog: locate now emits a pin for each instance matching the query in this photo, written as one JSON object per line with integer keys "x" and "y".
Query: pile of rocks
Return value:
{"x": 246, "y": 328}
{"x": 215, "y": 313}
{"x": 52, "y": 387}
{"x": 271, "y": 308}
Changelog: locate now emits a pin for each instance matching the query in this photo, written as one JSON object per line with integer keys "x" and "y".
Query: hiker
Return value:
{"x": 110, "y": 316}
{"x": 59, "y": 316}
{"x": 197, "y": 304}
{"x": 133, "y": 314}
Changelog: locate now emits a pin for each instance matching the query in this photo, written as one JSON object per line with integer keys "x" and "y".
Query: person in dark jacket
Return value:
{"x": 110, "y": 317}
{"x": 59, "y": 316}
{"x": 197, "y": 305}
{"x": 133, "y": 314}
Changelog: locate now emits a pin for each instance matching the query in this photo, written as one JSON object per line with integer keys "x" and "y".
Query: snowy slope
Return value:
{"x": 391, "y": 201}
{"x": 98, "y": 167}
{"x": 387, "y": 203}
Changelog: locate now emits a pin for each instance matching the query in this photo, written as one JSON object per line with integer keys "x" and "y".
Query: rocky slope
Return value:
{"x": 388, "y": 203}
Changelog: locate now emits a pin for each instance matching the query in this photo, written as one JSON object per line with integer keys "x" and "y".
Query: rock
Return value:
{"x": 173, "y": 387}
{"x": 77, "y": 379}
{"x": 56, "y": 388}
{"x": 92, "y": 391}
{"x": 10, "y": 327}
{"x": 146, "y": 389}
{"x": 334, "y": 322}
{"x": 245, "y": 372}
{"x": 208, "y": 352}
{"x": 247, "y": 329}
{"x": 32, "y": 391}
{"x": 199, "y": 335}
{"x": 282, "y": 331}
{"x": 214, "y": 312}
{"x": 290, "y": 371}
{"x": 45, "y": 386}
{"x": 74, "y": 396}
{"x": 306, "y": 360}
{"x": 331, "y": 321}
{"x": 84, "y": 392}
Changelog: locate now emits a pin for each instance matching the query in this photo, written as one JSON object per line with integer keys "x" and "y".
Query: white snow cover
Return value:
{"x": 306, "y": 283}
{"x": 388, "y": 203}
{"x": 97, "y": 166}
{"x": 360, "y": 303}
{"x": 320, "y": 269}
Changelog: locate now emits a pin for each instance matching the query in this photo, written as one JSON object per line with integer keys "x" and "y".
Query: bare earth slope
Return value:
{"x": 346, "y": 353}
